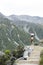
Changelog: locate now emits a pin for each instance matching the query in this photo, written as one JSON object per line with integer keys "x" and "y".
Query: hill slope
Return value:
{"x": 13, "y": 33}
{"x": 10, "y": 35}
{"x": 29, "y": 23}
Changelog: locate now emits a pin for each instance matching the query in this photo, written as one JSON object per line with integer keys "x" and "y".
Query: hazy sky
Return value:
{"x": 22, "y": 7}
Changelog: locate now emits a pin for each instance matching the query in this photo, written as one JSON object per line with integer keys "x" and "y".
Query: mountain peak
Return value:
{"x": 1, "y": 15}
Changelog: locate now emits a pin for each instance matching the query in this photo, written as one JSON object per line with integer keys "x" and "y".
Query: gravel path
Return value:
{"x": 33, "y": 59}
{"x": 26, "y": 64}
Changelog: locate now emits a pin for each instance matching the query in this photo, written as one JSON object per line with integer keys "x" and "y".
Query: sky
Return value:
{"x": 22, "y": 7}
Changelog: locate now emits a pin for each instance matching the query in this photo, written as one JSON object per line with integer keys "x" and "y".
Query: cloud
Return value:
{"x": 18, "y": 7}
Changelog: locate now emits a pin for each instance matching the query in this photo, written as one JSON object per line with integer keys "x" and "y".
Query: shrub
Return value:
{"x": 18, "y": 52}
{"x": 41, "y": 58}
{"x": 7, "y": 52}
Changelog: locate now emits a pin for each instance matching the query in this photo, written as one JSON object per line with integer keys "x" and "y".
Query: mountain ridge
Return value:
{"x": 16, "y": 31}
{"x": 34, "y": 19}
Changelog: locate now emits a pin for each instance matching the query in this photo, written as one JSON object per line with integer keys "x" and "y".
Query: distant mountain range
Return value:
{"x": 15, "y": 30}
{"x": 29, "y": 23}
{"x": 32, "y": 19}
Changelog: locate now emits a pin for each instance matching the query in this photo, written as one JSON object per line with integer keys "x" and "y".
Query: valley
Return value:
{"x": 15, "y": 34}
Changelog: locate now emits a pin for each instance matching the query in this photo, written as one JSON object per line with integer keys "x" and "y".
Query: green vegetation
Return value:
{"x": 9, "y": 38}
{"x": 12, "y": 35}
{"x": 18, "y": 52}
{"x": 4, "y": 59}
{"x": 41, "y": 58}
{"x": 7, "y": 52}
{"x": 11, "y": 56}
{"x": 36, "y": 28}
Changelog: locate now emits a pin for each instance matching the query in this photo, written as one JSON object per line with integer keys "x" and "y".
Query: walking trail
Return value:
{"x": 33, "y": 59}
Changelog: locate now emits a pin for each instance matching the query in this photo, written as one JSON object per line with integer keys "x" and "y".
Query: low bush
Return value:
{"x": 41, "y": 58}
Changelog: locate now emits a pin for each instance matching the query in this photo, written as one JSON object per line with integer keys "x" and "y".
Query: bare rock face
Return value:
{"x": 2, "y": 53}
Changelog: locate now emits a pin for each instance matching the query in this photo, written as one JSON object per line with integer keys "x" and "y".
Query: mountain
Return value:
{"x": 15, "y": 20}
{"x": 15, "y": 31}
{"x": 10, "y": 35}
{"x": 37, "y": 29}
{"x": 27, "y": 18}
{"x": 29, "y": 23}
